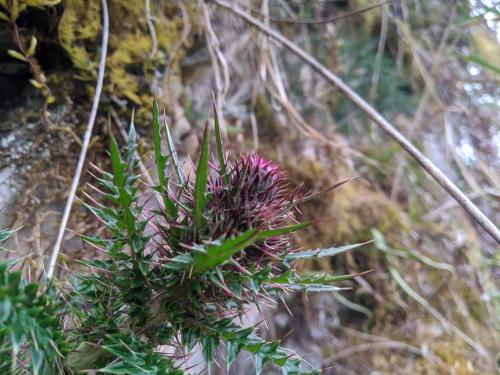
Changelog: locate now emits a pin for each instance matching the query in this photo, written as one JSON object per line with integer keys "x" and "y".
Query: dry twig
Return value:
{"x": 86, "y": 141}
{"x": 152, "y": 30}
{"x": 321, "y": 21}
{"x": 216, "y": 56}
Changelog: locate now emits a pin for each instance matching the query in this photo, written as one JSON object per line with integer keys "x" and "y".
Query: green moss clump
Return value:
{"x": 132, "y": 60}
{"x": 80, "y": 24}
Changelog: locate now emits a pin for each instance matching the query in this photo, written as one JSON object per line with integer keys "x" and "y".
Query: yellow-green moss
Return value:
{"x": 456, "y": 357}
{"x": 372, "y": 18}
{"x": 352, "y": 209}
{"x": 80, "y": 23}
{"x": 130, "y": 66}
{"x": 269, "y": 128}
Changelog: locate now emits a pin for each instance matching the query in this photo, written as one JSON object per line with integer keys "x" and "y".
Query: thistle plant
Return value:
{"x": 183, "y": 275}
{"x": 31, "y": 335}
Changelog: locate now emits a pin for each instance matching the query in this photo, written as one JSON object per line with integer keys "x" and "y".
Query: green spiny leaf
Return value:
{"x": 307, "y": 278}
{"x": 173, "y": 154}
{"x": 161, "y": 163}
{"x": 180, "y": 262}
{"x": 5, "y": 309}
{"x": 209, "y": 345}
{"x": 218, "y": 140}
{"x": 17, "y": 333}
{"x": 37, "y": 357}
{"x": 160, "y": 159}
{"x": 319, "y": 253}
{"x": 313, "y": 287}
{"x": 131, "y": 146}
{"x": 233, "y": 349}
{"x": 283, "y": 230}
{"x": 120, "y": 181}
{"x": 218, "y": 254}
{"x": 189, "y": 338}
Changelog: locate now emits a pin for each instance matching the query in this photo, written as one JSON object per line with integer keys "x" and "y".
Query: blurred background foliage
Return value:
{"x": 430, "y": 303}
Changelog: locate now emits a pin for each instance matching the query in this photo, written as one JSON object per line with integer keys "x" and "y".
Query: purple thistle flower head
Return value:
{"x": 254, "y": 194}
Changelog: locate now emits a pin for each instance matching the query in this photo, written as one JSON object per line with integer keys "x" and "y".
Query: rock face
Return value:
{"x": 8, "y": 187}
{"x": 14, "y": 74}
{"x": 15, "y": 148}
{"x": 33, "y": 161}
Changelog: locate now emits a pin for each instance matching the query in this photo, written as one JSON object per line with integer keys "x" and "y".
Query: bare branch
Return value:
{"x": 216, "y": 56}
{"x": 152, "y": 30}
{"x": 86, "y": 141}
{"x": 323, "y": 21}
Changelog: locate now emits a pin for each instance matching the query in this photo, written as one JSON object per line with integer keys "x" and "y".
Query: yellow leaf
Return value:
{"x": 14, "y": 9}
{"x": 41, "y": 3}
{"x": 32, "y": 47}
{"x": 16, "y": 55}
{"x": 36, "y": 84}
{"x": 4, "y": 17}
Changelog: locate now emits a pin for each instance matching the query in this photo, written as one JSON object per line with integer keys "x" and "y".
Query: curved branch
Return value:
{"x": 85, "y": 143}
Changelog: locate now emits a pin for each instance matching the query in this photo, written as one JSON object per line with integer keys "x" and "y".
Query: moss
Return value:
{"x": 351, "y": 210}
{"x": 371, "y": 19}
{"x": 134, "y": 48}
{"x": 269, "y": 128}
{"x": 130, "y": 65}
{"x": 80, "y": 24}
{"x": 358, "y": 208}
{"x": 456, "y": 357}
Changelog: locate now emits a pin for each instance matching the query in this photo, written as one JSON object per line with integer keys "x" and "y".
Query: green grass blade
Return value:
{"x": 396, "y": 276}
{"x": 352, "y": 305}
{"x": 218, "y": 254}
{"x": 201, "y": 183}
{"x": 319, "y": 253}
{"x": 218, "y": 140}
{"x": 379, "y": 242}
{"x": 483, "y": 64}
